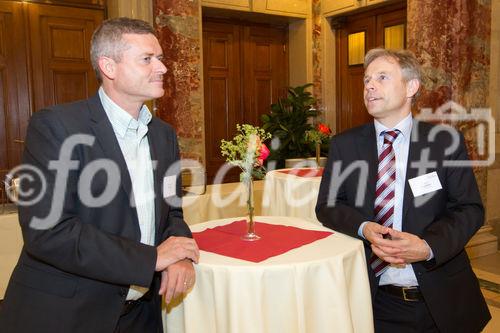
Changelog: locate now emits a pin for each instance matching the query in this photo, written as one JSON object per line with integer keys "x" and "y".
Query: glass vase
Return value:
{"x": 250, "y": 234}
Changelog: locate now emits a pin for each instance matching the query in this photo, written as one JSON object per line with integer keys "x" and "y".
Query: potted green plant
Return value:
{"x": 289, "y": 120}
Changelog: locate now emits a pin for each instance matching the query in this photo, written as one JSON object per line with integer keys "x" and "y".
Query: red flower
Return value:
{"x": 323, "y": 128}
{"x": 263, "y": 154}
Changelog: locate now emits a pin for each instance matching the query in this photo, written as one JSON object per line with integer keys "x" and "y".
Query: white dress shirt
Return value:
{"x": 134, "y": 144}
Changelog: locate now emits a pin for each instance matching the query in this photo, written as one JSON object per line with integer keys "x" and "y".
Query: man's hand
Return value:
{"x": 174, "y": 249}
{"x": 177, "y": 279}
{"x": 400, "y": 247}
{"x": 373, "y": 231}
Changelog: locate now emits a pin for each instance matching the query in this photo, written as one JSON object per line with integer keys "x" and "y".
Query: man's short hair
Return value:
{"x": 410, "y": 67}
{"x": 107, "y": 39}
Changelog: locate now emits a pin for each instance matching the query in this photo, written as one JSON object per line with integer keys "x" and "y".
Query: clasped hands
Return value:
{"x": 395, "y": 247}
{"x": 175, "y": 257}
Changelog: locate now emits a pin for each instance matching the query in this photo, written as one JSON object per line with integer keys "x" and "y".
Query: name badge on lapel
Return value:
{"x": 425, "y": 184}
{"x": 169, "y": 183}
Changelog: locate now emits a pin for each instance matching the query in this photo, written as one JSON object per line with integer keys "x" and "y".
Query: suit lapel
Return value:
{"x": 106, "y": 138}
{"x": 157, "y": 167}
{"x": 367, "y": 150}
{"x": 414, "y": 155}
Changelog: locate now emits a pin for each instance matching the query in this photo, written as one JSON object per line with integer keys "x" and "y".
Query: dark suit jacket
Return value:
{"x": 74, "y": 277}
{"x": 446, "y": 219}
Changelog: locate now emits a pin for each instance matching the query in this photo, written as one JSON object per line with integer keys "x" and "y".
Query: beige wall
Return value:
{"x": 328, "y": 73}
{"x": 301, "y": 62}
{"x": 300, "y": 52}
{"x": 140, "y": 9}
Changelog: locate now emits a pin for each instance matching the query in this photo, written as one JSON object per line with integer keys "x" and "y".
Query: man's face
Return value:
{"x": 386, "y": 92}
{"x": 139, "y": 74}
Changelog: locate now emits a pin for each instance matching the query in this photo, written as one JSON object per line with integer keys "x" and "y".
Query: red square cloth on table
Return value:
{"x": 306, "y": 172}
{"x": 275, "y": 240}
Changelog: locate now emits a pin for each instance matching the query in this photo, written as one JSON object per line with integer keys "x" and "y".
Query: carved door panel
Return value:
{"x": 222, "y": 88}
{"x": 265, "y": 70}
{"x": 14, "y": 93}
{"x": 245, "y": 69}
{"x": 44, "y": 60}
{"x": 60, "y": 53}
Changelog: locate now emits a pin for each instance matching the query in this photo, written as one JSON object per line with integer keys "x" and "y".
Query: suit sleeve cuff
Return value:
{"x": 431, "y": 254}
{"x": 360, "y": 230}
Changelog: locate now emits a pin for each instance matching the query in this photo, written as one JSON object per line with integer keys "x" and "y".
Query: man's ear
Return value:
{"x": 107, "y": 67}
{"x": 412, "y": 87}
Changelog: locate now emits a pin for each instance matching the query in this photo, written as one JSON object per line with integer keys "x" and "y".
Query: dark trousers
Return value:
{"x": 395, "y": 315}
{"x": 142, "y": 317}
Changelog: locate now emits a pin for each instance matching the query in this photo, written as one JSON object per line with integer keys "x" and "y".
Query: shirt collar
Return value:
{"x": 404, "y": 126}
{"x": 120, "y": 119}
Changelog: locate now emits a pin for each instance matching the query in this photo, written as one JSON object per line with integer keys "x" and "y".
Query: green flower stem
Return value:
{"x": 318, "y": 153}
{"x": 250, "y": 207}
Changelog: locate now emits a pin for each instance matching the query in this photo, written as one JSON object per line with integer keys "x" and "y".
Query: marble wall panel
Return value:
{"x": 179, "y": 29}
{"x": 451, "y": 38}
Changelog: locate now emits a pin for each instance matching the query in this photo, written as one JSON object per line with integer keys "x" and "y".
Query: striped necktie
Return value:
{"x": 384, "y": 192}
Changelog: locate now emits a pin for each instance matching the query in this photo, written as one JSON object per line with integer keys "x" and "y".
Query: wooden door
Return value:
{"x": 245, "y": 70}
{"x": 265, "y": 70}
{"x": 361, "y": 33}
{"x": 222, "y": 89}
{"x": 14, "y": 93}
{"x": 60, "y": 53}
{"x": 44, "y": 60}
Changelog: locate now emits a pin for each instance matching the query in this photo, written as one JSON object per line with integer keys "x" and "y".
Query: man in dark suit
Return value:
{"x": 414, "y": 228}
{"x": 106, "y": 235}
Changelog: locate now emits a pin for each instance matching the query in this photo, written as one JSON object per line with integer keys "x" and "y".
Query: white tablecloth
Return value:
{"x": 319, "y": 287}
{"x": 220, "y": 201}
{"x": 290, "y": 195}
{"x": 11, "y": 242}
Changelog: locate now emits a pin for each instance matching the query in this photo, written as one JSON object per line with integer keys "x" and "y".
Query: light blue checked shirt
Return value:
{"x": 134, "y": 144}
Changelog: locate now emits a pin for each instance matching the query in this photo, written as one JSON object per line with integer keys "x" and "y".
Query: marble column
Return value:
{"x": 317, "y": 52}
{"x": 179, "y": 29}
{"x": 451, "y": 38}
{"x": 323, "y": 51}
